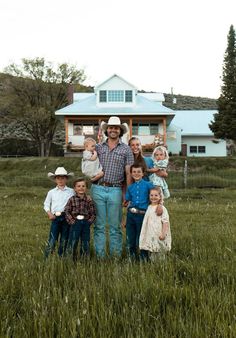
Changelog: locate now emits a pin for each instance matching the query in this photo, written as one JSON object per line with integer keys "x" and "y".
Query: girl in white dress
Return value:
{"x": 155, "y": 236}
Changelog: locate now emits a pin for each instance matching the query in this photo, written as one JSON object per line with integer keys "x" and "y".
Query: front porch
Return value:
{"x": 151, "y": 130}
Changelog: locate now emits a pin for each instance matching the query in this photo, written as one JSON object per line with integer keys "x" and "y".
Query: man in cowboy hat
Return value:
{"x": 115, "y": 158}
{"x": 54, "y": 205}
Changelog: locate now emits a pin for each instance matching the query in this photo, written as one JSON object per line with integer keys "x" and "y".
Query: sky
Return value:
{"x": 161, "y": 46}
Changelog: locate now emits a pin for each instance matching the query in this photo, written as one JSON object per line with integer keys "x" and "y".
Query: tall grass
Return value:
{"x": 190, "y": 294}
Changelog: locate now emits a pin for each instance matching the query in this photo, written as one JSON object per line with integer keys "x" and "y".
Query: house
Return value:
{"x": 145, "y": 115}
{"x": 192, "y": 127}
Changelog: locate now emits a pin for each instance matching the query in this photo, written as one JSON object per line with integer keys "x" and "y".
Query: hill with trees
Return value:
{"x": 184, "y": 102}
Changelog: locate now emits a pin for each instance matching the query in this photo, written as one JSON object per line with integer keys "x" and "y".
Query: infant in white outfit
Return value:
{"x": 90, "y": 165}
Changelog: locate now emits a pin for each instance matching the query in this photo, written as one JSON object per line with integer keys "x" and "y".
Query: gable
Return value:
{"x": 115, "y": 82}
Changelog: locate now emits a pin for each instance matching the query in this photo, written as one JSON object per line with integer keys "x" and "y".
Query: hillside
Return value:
{"x": 184, "y": 102}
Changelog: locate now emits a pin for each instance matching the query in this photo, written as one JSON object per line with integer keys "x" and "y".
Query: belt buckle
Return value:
{"x": 80, "y": 217}
{"x": 134, "y": 210}
{"x": 57, "y": 213}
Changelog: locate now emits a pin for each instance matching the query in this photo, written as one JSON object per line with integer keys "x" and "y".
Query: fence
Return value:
{"x": 184, "y": 178}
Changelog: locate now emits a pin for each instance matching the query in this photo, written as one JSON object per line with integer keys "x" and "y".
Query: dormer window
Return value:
{"x": 103, "y": 96}
{"x": 115, "y": 96}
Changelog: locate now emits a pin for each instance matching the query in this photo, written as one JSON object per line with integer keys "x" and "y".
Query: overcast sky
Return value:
{"x": 155, "y": 45}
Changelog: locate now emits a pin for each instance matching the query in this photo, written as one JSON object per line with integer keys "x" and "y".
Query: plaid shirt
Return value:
{"x": 114, "y": 161}
{"x": 77, "y": 205}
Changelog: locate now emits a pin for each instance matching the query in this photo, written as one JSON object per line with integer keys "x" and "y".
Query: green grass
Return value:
{"x": 190, "y": 294}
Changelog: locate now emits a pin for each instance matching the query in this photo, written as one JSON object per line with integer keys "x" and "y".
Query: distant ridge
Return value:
{"x": 184, "y": 102}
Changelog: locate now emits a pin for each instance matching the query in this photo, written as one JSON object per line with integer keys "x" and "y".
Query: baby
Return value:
{"x": 90, "y": 165}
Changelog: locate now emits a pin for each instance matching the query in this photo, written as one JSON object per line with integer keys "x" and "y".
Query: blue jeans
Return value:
{"x": 59, "y": 227}
{"x": 133, "y": 228}
{"x": 108, "y": 203}
{"x": 80, "y": 231}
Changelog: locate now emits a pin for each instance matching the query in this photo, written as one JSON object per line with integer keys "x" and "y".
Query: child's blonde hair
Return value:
{"x": 159, "y": 190}
{"x": 88, "y": 140}
{"x": 163, "y": 150}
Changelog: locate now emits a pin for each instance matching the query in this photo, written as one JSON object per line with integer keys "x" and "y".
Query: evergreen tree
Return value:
{"x": 224, "y": 124}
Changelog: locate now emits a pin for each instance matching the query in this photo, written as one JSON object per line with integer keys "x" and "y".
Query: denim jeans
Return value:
{"x": 59, "y": 227}
{"x": 133, "y": 228}
{"x": 80, "y": 231}
{"x": 108, "y": 203}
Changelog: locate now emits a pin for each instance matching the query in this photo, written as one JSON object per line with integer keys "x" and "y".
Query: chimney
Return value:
{"x": 70, "y": 93}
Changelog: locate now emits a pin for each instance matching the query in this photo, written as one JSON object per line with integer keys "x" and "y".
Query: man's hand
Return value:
{"x": 125, "y": 203}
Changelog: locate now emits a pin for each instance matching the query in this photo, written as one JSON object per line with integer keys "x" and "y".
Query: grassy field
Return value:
{"x": 191, "y": 294}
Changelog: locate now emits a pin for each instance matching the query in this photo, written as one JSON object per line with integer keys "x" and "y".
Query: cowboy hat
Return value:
{"x": 114, "y": 121}
{"x": 60, "y": 171}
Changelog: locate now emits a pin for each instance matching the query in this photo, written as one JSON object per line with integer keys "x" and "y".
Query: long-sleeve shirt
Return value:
{"x": 138, "y": 194}
{"x": 114, "y": 161}
{"x": 57, "y": 198}
{"x": 83, "y": 206}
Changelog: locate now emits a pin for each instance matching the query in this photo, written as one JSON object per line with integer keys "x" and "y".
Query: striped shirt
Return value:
{"x": 114, "y": 161}
{"x": 83, "y": 206}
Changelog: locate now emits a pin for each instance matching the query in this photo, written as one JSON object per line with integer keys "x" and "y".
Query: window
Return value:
{"x": 85, "y": 129}
{"x": 197, "y": 149}
{"x": 201, "y": 149}
{"x": 128, "y": 96}
{"x": 154, "y": 129}
{"x": 171, "y": 135}
{"x": 144, "y": 129}
{"x": 88, "y": 130}
{"x": 77, "y": 129}
{"x": 103, "y": 96}
{"x": 115, "y": 96}
{"x": 193, "y": 149}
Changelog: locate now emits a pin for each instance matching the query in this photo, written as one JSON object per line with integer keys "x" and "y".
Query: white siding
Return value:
{"x": 212, "y": 149}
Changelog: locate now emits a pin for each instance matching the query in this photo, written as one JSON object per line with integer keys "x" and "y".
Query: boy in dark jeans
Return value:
{"x": 137, "y": 200}
{"x": 80, "y": 214}
{"x": 54, "y": 205}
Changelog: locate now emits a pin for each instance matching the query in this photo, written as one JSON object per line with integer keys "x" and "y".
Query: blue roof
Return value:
{"x": 194, "y": 122}
{"x": 88, "y": 107}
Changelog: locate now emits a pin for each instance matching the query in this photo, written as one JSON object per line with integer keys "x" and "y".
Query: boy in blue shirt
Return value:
{"x": 137, "y": 200}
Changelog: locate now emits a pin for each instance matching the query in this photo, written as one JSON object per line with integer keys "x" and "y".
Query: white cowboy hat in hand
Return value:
{"x": 114, "y": 121}
{"x": 60, "y": 171}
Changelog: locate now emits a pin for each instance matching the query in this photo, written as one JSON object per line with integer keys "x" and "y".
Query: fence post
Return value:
{"x": 185, "y": 173}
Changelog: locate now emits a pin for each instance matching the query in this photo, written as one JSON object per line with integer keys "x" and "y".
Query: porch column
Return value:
{"x": 130, "y": 127}
{"x": 66, "y": 130}
{"x": 164, "y": 131}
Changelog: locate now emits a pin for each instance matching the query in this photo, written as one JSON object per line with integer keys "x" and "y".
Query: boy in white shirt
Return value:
{"x": 54, "y": 205}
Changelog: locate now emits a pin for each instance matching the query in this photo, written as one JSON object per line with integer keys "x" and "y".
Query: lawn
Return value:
{"x": 190, "y": 294}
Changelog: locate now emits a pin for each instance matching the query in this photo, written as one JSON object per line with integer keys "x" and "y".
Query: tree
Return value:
{"x": 32, "y": 92}
{"x": 224, "y": 124}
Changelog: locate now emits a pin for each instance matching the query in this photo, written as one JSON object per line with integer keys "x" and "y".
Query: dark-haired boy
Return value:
{"x": 137, "y": 199}
{"x": 80, "y": 214}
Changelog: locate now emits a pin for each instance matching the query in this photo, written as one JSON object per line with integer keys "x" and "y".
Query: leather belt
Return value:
{"x": 107, "y": 184}
{"x": 137, "y": 211}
